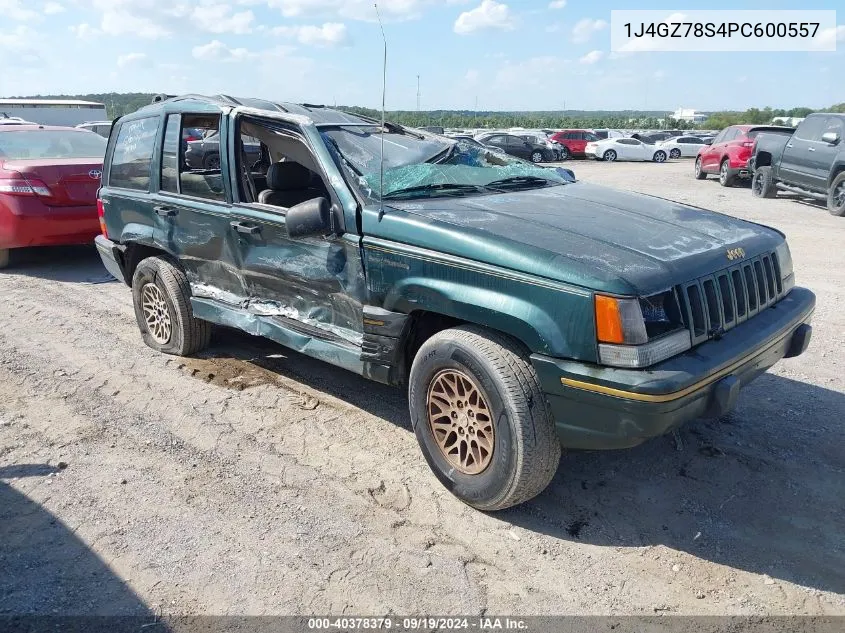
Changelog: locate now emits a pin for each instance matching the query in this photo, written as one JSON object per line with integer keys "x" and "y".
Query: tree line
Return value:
{"x": 119, "y": 104}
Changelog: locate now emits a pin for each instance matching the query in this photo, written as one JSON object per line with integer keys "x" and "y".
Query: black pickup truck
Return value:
{"x": 811, "y": 162}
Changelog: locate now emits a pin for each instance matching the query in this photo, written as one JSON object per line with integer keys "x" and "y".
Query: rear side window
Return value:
{"x": 190, "y": 158}
{"x": 133, "y": 154}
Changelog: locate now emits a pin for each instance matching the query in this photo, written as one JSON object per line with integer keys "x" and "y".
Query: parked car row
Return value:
{"x": 808, "y": 160}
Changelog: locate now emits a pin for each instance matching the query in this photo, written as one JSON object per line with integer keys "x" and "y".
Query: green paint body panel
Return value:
{"x": 526, "y": 263}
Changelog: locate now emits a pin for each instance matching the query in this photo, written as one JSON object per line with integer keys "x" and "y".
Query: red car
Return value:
{"x": 574, "y": 141}
{"x": 729, "y": 152}
{"x": 49, "y": 178}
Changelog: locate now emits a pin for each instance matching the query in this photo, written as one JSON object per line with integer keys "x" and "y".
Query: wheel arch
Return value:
{"x": 134, "y": 252}
{"x": 539, "y": 324}
{"x": 838, "y": 168}
{"x": 763, "y": 159}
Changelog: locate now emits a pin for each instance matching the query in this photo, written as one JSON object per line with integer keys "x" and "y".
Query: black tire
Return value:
{"x": 526, "y": 450}
{"x": 609, "y": 156}
{"x": 762, "y": 184}
{"x": 537, "y": 156}
{"x": 659, "y": 156}
{"x": 4, "y": 258}
{"x": 674, "y": 153}
{"x": 564, "y": 153}
{"x": 211, "y": 161}
{"x": 836, "y": 196}
{"x": 188, "y": 335}
{"x": 726, "y": 179}
{"x": 700, "y": 174}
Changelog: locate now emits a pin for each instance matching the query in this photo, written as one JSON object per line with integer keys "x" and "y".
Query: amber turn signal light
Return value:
{"x": 608, "y": 320}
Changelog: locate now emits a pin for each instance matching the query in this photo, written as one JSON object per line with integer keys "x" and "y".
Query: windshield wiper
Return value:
{"x": 443, "y": 189}
{"x": 517, "y": 182}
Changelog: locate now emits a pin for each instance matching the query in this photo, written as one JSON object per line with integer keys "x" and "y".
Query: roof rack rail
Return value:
{"x": 162, "y": 97}
{"x": 231, "y": 100}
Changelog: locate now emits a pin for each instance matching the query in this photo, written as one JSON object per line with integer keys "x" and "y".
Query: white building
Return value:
{"x": 53, "y": 111}
{"x": 689, "y": 115}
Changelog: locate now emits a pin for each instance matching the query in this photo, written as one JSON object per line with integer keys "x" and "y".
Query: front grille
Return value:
{"x": 716, "y": 303}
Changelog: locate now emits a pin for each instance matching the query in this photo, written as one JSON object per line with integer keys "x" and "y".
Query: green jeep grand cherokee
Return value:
{"x": 524, "y": 311}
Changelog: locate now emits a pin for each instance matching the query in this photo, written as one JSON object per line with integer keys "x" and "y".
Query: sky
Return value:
{"x": 498, "y": 54}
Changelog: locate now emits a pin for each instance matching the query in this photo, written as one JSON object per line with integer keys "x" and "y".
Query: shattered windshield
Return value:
{"x": 424, "y": 165}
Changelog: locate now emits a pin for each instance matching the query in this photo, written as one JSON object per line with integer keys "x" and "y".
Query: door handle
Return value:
{"x": 811, "y": 149}
{"x": 789, "y": 144}
{"x": 165, "y": 211}
{"x": 246, "y": 229}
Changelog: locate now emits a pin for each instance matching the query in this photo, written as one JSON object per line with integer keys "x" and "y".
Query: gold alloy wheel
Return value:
{"x": 156, "y": 313}
{"x": 460, "y": 421}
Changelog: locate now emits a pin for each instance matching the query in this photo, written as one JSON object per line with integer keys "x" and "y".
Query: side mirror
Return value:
{"x": 708, "y": 141}
{"x": 831, "y": 138}
{"x": 312, "y": 217}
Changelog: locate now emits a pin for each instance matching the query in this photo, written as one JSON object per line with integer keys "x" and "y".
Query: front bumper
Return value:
{"x": 599, "y": 407}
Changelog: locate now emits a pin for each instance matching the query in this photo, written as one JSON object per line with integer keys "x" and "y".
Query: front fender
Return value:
{"x": 546, "y": 316}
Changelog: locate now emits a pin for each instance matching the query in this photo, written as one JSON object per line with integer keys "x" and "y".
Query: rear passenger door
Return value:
{"x": 795, "y": 164}
{"x": 191, "y": 209}
{"x": 519, "y": 147}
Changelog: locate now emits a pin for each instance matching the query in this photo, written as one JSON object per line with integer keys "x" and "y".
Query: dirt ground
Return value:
{"x": 253, "y": 480}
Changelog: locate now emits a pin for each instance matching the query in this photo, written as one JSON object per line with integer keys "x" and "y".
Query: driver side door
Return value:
{"x": 312, "y": 284}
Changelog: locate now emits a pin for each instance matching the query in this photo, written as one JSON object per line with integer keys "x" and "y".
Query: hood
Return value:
{"x": 587, "y": 235}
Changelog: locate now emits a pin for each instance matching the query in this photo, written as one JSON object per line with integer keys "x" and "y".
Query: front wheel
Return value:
{"x": 162, "y": 298}
{"x": 4, "y": 257}
{"x": 725, "y": 177}
{"x": 481, "y": 419}
{"x": 675, "y": 153}
{"x": 536, "y": 157}
{"x": 700, "y": 174}
{"x": 762, "y": 185}
{"x": 564, "y": 153}
{"x": 660, "y": 156}
{"x": 836, "y": 196}
{"x": 609, "y": 156}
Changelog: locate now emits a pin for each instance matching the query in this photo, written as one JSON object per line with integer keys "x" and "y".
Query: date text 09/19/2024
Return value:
{"x": 483, "y": 623}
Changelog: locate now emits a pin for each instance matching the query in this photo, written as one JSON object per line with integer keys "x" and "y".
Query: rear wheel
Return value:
{"x": 700, "y": 174}
{"x": 162, "y": 298}
{"x": 212, "y": 161}
{"x": 660, "y": 156}
{"x": 675, "y": 153}
{"x": 4, "y": 257}
{"x": 762, "y": 185}
{"x": 726, "y": 179}
{"x": 609, "y": 155}
{"x": 481, "y": 418}
{"x": 836, "y": 196}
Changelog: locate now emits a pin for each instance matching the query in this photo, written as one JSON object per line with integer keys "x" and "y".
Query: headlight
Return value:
{"x": 639, "y": 332}
{"x": 784, "y": 264}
